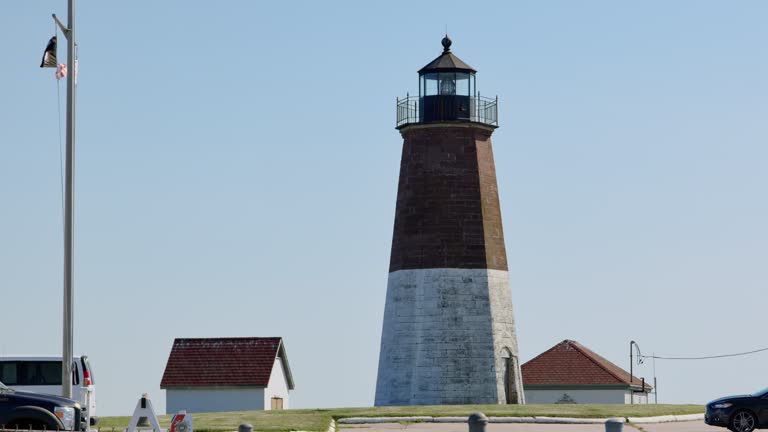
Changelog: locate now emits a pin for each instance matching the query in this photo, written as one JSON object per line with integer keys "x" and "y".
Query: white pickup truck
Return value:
{"x": 42, "y": 374}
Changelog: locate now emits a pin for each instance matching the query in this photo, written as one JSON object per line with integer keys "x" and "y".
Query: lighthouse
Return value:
{"x": 448, "y": 334}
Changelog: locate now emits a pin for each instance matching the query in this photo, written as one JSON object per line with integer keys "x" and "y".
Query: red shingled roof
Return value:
{"x": 571, "y": 363}
{"x": 246, "y": 361}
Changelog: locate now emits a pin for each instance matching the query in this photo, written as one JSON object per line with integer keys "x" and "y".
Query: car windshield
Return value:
{"x": 760, "y": 393}
{"x": 3, "y": 387}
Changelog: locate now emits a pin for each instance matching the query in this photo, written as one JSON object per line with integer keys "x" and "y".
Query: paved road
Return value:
{"x": 690, "y": 426}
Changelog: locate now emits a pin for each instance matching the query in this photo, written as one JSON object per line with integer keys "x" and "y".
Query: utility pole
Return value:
{"x": 69, "y": 208}
{"x": 655, "y": 384}
{"x": 631, "y": 375}
{"x": 631, "y": 372}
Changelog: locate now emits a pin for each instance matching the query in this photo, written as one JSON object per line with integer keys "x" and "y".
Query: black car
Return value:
{"x": 37, "y": 411}
{"x": 739, "y": 413}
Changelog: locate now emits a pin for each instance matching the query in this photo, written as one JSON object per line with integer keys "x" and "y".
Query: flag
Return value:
{"x": 49, "y": 56}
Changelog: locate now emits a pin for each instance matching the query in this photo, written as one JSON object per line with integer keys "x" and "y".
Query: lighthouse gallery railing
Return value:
{"x": 482, "y": 110}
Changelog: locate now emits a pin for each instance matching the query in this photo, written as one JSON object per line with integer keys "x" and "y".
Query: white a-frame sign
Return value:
{"x": 143, "y": 413}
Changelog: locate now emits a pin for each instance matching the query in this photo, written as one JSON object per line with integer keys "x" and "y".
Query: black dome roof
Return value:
{"x": 447, "y": 61}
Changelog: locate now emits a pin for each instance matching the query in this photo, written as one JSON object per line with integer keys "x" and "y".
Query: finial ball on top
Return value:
{"x": 446, "y": 43}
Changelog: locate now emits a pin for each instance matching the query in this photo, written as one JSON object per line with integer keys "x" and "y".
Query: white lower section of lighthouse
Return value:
{"x": 448, "y": 338}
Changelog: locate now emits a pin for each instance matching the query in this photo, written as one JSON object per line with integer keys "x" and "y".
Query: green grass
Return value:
{"x": 319, "y": 419}
{"x": 581, "y": 411}
{"x": 268, "y": 421}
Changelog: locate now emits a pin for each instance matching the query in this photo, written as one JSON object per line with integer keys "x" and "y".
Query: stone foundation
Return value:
{"x": 445, "y": 338}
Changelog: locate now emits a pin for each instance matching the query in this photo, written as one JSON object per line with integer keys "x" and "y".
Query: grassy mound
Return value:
{"x": 319, "y": 419}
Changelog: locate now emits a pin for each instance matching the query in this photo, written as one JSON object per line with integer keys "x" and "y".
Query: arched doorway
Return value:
{"x": 509, "y": 368}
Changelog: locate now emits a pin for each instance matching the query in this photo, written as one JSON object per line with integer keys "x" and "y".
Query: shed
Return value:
{"x": 569, "y": 372}
{"x": 227, "y": 374}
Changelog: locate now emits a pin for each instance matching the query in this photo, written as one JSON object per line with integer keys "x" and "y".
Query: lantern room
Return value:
{"x": 447, "y": 93}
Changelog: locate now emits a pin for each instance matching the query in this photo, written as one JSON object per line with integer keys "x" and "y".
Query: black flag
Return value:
{"x": 49, "y": 56}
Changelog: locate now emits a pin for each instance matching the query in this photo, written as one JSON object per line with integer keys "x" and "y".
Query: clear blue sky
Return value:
{"x": 237, "y": 169}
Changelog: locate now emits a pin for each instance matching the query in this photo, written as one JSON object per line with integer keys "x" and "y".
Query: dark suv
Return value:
{"x": 38, "y": 411}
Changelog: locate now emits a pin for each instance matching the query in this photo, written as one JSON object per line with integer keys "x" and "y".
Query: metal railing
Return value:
{"x": 482, "y": 110}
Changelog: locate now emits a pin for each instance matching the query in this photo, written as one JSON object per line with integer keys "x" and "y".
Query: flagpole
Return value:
{"x": 69, "y": 209}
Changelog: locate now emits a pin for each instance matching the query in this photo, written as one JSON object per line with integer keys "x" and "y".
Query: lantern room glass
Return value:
{"x": 447, "y": 84}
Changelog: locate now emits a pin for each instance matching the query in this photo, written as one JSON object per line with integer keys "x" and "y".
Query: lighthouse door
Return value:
{"x": 509, "y": 368}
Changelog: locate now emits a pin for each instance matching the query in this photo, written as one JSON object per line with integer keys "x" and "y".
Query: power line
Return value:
{"x": 706, "y": 357}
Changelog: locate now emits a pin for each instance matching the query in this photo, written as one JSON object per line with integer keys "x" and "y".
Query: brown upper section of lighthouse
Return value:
{"x": 448, "y": 213}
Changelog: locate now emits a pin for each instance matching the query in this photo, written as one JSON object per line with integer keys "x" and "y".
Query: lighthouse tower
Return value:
{"x": 449, "y": 332}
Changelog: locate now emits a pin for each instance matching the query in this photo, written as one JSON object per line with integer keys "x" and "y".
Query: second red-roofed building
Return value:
{"x": 227, "y": 374}
{"x": 571, "y": 373}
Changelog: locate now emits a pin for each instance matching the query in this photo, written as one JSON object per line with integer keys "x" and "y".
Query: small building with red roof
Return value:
{"x": 569, "y": 372}
{"x": 227, "y": 374}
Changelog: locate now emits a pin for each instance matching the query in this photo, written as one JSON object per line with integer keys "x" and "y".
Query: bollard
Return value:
{"x": 614, "y": 425}
{"x": 245, "y": 427}
{"x": 477, "y": 422}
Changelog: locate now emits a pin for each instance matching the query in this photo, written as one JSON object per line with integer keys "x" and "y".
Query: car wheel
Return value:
{"x": 743, "y": 421}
